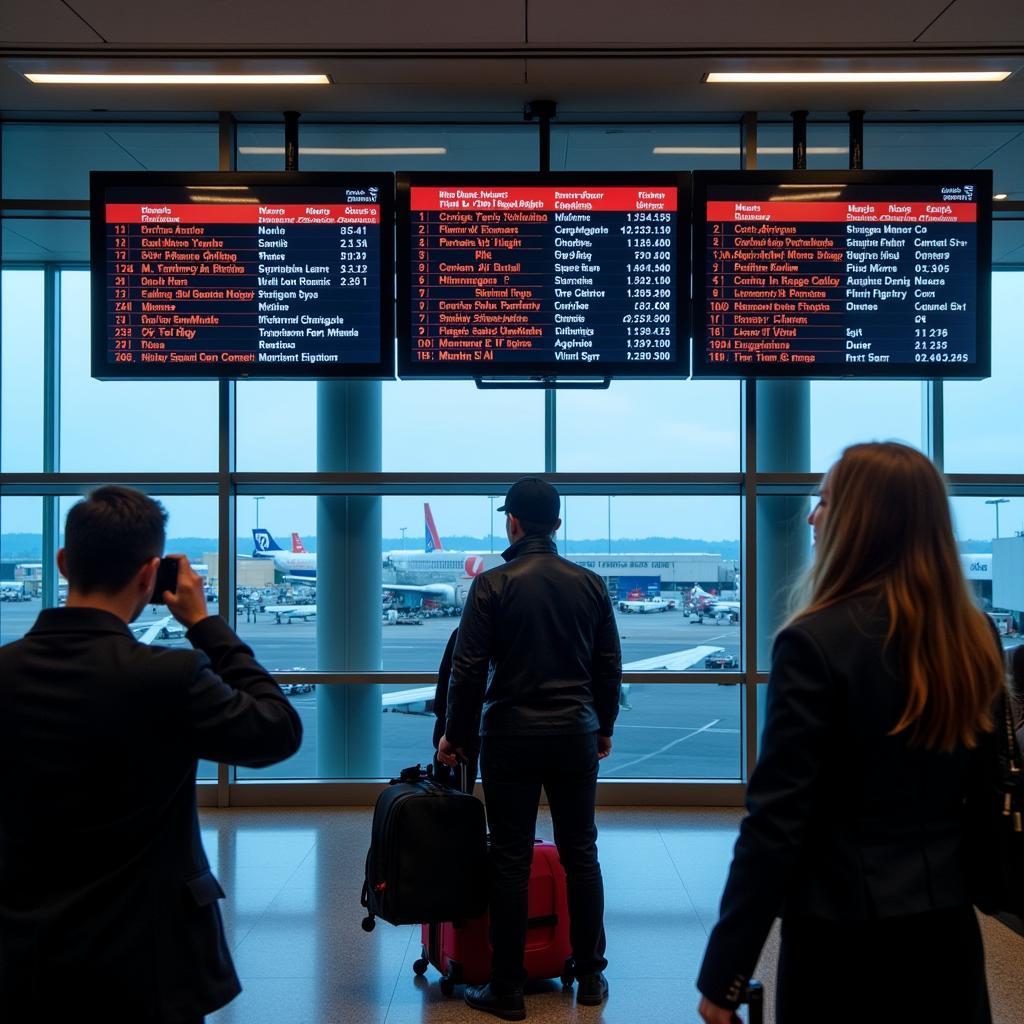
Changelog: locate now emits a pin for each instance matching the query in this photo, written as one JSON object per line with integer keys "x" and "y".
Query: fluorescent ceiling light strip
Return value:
{"x": 735, "y": 150}
{"x": 338, "y": 151}
{"x": 827, "y": 77}
{"x": 210, "y": 79}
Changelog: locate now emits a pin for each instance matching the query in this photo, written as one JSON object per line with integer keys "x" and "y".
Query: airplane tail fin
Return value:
{"x": 297, "y": 545}
{"x": 432, "y": 539}
{"x": 264, "y": 542}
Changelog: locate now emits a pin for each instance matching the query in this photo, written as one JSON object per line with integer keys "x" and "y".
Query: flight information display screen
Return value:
{"x": 242, "y": 275}
{"x": 859, "y": 274}
{"x": 543, "y": 275}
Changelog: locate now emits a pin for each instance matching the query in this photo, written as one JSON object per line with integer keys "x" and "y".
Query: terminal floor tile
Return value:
{"x": 292, "y": 914}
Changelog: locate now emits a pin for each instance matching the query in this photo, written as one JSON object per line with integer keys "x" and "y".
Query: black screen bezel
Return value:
{"x": 680, "y": 369}
{"x": 100, "y": 181}
{"x": 981, "y": 368}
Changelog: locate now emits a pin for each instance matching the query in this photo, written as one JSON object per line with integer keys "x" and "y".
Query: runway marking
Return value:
{"x": 669, "y": 728}
{"x": 662, "y": 750}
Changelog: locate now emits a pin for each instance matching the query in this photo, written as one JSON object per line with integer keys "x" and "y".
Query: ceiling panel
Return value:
{"x": 669, "y": 84}
{"x": 334, "y": 24}
{"x": 738, "y": 23}
{"x": 30, "y": 241}
{"x": 978, "y": 21}
{"x": 43, "y": 21}
{"x": 53, "y": 161}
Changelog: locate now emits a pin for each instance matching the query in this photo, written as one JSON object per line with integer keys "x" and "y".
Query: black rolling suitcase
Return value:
{"x": 428, "y": 853}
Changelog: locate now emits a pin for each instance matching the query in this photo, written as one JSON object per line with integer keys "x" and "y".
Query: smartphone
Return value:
{"x": 166, "y": 579}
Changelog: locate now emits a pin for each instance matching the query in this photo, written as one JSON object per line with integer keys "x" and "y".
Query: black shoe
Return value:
{"x": 591, "y": 989}
{"x": 510, "y": 1007}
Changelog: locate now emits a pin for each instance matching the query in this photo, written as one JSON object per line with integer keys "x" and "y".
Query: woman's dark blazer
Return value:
{"x": 845, "y": 821}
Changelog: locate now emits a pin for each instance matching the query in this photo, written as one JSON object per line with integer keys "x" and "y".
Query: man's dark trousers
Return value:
{"x": 514, "y": 768}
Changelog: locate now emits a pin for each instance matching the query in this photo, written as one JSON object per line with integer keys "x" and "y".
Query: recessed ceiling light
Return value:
{"x": 830, "y": 77}
{"x": 133, "y": 79}
{"x": 1001, "y": 195}
{"x": 735, "y": 150}
{"x": 340, "y": 151}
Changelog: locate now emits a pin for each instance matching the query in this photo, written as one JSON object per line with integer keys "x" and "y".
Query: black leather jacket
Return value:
{"x": 538, "y": 650}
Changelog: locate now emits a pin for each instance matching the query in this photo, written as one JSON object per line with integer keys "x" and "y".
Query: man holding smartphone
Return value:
{"x": 108, "y": 907}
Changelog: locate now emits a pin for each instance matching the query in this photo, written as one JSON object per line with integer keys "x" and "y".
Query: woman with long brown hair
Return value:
{"x": 880, "y": 688}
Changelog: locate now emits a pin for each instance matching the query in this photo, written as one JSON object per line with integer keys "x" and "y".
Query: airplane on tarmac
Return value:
{"x": 712, "y": 604}
{"x": 298, "y": 566}
{"x": 420, "y": 699}
{"x": 636, "y": 601}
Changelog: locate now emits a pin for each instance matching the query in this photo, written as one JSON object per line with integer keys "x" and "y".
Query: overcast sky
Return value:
{"x": 684, "y": 426}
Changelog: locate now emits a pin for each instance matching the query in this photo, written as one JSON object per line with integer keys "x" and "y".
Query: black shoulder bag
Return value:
{"x": 995, "y": 827}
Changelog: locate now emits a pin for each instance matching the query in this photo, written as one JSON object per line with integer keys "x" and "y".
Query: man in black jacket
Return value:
{"x": 538, "y": 652}
{"x": 108, "y": 907}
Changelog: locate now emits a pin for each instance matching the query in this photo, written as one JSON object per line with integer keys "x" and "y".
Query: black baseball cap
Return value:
{"x": 532, "y": 499}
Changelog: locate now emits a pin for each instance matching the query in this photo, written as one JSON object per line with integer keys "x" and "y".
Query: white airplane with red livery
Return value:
{"x": 298, "y": 566}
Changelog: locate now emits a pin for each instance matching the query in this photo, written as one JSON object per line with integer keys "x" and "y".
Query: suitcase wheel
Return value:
{"x": 447, "y": 986}
{"x": 568, "y": 973}
{"x": 420, "y": 967}
{"x": 369, "y": 924}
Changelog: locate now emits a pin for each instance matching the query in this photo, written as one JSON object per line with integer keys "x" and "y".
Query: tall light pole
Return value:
{"x": 403, "y": 529}
{"x": 258, "y": 500}
{"x": 997, "y": 502}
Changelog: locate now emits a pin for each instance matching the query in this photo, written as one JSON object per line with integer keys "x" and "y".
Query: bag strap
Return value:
{"x": 1010, "y": 761}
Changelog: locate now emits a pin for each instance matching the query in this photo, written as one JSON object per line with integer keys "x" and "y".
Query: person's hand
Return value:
{"x": 188, "y": 602}
{"x": 448, "y": 754}
{"x": 712, "y": 1014}
{"x": 604, "y": 747}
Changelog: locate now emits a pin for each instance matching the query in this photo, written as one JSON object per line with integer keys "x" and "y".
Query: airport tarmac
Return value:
{"x": 669, "y": 730}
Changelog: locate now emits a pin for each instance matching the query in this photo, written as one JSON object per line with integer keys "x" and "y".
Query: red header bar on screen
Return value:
{"x": 242, "y": 213}
{"x": 491, "y": 199}
{"x": 796, "y": 212}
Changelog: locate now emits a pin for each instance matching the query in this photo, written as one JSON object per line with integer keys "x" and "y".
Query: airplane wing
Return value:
{"x": 308, "y": 581}
{"x": 417, "y": 701}
{"x": 674, "y": 661}
{"x": 147, "y": 632}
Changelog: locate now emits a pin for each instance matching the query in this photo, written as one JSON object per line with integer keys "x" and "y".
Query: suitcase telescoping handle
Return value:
{"x": 754, "y": 998}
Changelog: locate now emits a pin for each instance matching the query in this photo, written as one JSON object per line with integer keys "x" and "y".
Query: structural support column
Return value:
{"x": 348, "y": 531}
{"x": 783, "y": 446}
{"x": 543, "y": 111}
{"x": 51, "y": 431}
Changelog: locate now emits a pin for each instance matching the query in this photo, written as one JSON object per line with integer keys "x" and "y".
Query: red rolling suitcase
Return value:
{"x": 462, "y": 951}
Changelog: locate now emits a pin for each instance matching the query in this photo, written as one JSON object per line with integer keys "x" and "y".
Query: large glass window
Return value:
{"x": 21, "y": 565}
{"x": 432, "y": 426}
{"x": 978, "y": 523}
{"x": 848, "y": 412}
{"x": 650, "y": 426}
{"x": 53, "y": 161}
{"x": 671, "y": 562}
{"x": 118, "y": 426}
{"x": 21, "y": 371}
{"x": 982, "y": 418}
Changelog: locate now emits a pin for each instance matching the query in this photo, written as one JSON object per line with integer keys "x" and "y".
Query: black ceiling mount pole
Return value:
{"x": 856, "y": 140}
{"x": 291, "y": 140}
{"x": 799, "y": 140}
{"x": 543, "y": 111}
